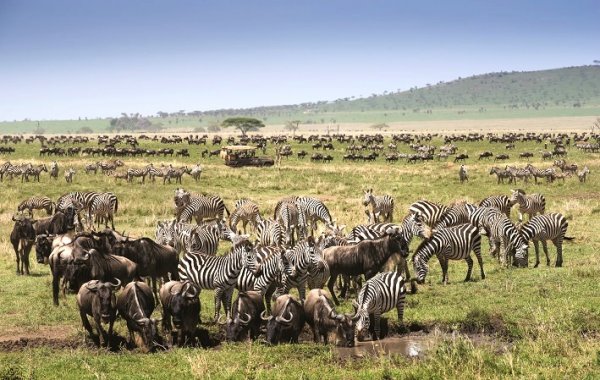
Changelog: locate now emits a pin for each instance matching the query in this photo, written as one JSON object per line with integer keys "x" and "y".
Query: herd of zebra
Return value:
{"x": 514, "y": 174}
{"x": 282, "y": 252}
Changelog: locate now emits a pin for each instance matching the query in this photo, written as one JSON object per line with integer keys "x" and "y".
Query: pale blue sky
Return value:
{"x": 64, "y": 59}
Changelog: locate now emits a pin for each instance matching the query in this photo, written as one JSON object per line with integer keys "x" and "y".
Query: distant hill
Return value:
{"x": 571, "y": 91}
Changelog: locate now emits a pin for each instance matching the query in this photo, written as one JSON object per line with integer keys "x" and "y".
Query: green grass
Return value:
{"x": 547, "y": 319}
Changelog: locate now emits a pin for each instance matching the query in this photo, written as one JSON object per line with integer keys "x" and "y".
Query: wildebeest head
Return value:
{"x": 43, "y": 247}
{"x": 281, "y": 318}
{"x": 344, "y": 324}
{"x": 147, "y": 327}
{"x": 398, "y": 243}
{"x": 238, "y": 325}
{"x": 23, "y": 227}
{"x": 181, "y": 298}
{"x": 105, "y": 301}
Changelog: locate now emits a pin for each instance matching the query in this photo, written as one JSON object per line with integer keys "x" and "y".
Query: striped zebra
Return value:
{"x": 54, "y": 170}
{"x": 196, "y": 172}
{"x": 311, "y": 210}
{"x": 429, "y": 212}
{"x": 103, "y": 209}
{"x": 541, "y": 228}
{"x": 382, "y": 205}
{"x": 3, "y": 169}
{"x": 37, "y": 203}
{"x": 458, "y": 213}
{"x": 80, "y": 200}
{"x": 301, "y": 258}
{"x": 380, "y": 294}
{"x": 516, "y": 174}
{"x": 200, "y": 207}
{"x": 245, "y": 211}
{"x": 34, "y": 171}
{"x": 288, "y": 218}
{"x": 271, "y": 273}
{"x": 247, "y": 278}
{"x": 501, "y": 174}
{"x": 463, "y": 175}
{"x": 531, "y": 204}
{"x": 582, "y": 175}
{"x": 452, "y": 243}
{"x": 69, "y": 173}
{"x": 504, "y": 234}
{"x": 217, "y": 272}
{"x": 548, "y": 173}
{"x": 185, "y": 237}
{"x": 16, "y": 170}
{"x": 269, "y": 232}
{"x": 501, "y": 202}
{"x": 154, "y": 172}
{"x": 141, "y": 172}
{"x": 91, "y": 168}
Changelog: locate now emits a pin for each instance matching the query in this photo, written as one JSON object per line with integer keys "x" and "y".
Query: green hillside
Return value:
{"x": 572, "y": 91}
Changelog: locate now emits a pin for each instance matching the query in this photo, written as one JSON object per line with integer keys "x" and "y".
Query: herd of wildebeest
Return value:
{"x": 299, "y": 246}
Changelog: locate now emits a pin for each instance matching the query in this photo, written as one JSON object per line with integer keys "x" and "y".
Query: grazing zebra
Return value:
{"x": 110, "y": 165}
{"x": 503, "y": 233}
{"x": 69, "y": 175}
{"x": 516, "y": 173}
{"x": 33, "y": 171}
{"x": 541, "y": 228}
{"x": 16, "y": 170}
{"x": 54, "y": 170}
{"x": 196, "y": 172}
{"x": 311, "y": 210}
{"x": 548, "y": 173}
{"x": 501, "y": 202}
{"x": 199, "y": 207}
{"x": 91, "y": 168}
{"x": 501, "y": 174}
{"x": 143, "y": 172}
{"x": 531, "y": 204}
{"x": 458, "y": 213}
{"x": 288, "y": 218}
{"x": 103, "y": 208}
{"x": 176, "y": 173}
{"x": 452, "y": 243}
{"x": 429, "y": 212}
{"x": 3, "y": 168}
{"x": 217, "y": 272}
{"x": 382, "y": 205}
{"x": 583, "y": 174}
{"x": 246, "y": 211}
{"x": 37, "y": 203}
{"x": 269, "y": 232}
{"x": 380, "y": 294}
{"x": 462, "y": 174}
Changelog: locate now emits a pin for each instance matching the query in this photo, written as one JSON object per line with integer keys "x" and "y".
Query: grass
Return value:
{"x": 547, "y": 319}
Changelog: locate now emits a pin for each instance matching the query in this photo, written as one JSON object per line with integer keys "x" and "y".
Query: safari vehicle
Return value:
{"x": 244, "y": 155}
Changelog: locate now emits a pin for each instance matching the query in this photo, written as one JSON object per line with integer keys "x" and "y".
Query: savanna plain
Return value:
{"x": 525, "y": 323}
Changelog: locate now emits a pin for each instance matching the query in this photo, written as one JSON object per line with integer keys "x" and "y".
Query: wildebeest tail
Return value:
{"x": 568, "y": 238}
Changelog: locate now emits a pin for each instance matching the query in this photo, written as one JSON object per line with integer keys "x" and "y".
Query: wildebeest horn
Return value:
{"x": 280, "y": 318}
{"x": 262, "y": 316}
{"x": 92, "y": 285}
{"x": 219, "y": 320}
{"x": 245, "y": 322}
{"x": 117, "y": 284}
{"x": 191, "y": 291}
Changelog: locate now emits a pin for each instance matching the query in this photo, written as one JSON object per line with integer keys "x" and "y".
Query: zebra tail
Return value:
{"x": 226, "y": 210}
{"x": 413, "y": 286}
{"x": 569, "y": 238}
{"x": 116, "y": 205}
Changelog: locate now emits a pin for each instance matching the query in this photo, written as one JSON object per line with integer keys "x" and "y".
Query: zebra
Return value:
{"x": 271, "y": 268}
{"x": 462, "y": 174}
{"x": 205, "y": 238}
{"x": 54, "y": 170}
{"x": 216, "y": 272}
{"x": 154, "y": 172}
{"x": 185, "y": 237}
{"x": 380, "y": 294}
{"x": 503, "y": 233}
{"x": 531, "y": 204}
{"x": 69, "y": 175}
{"x": 501, "y": 174}
{"x": 541, "y": 228}
{"x": 200, "y": 207}
{"x": 16, "y": 170}
{"x": 429, "y": 212}
{"x": 289, "y": 220}
{"x": 452, "y": 243}
{"x": 548, "y": 173}
{"x": 302, "y": 258}
{"x": 246, "y": 211}
{"x": 196, "y": 172}
{"x": 458, "y": 213}
{"x": 92, "y": 168}
{"x": 103, "y": 209}
{"x": 143, "y": 172}
{"x": 516, "y": 173}
{"x": 34, "y": 171}
{"x": 78, "y": 200}
{"x": 3, "y": 169}
{"x": 583, "y": 174}
{"x": 269, "y": 232}
{"x": 311, "y": 210}
{"x": 110, "y": 165}
{"x": 176, "y": 173}
{"x": 37, "y": 203}
{"x": 501, "y": 202}
{"x": 382, "y": 205}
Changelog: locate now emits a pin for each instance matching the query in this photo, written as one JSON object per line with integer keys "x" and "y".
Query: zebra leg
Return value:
{"x": 558, "y": 244}
{"x": 400, "y": 310}
{"x": 218, "y": 297}
{"x": 469, "y": 261}
{"x": 444, "y": 264}
{"x": 377, "y": 325}
{"x": 537, "y": 253}
{"x": 480, "y": 262}
{"x": 227, "y": 302}
{"x": 545, "y": 247}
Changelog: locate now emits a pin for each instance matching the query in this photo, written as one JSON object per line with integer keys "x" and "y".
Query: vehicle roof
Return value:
{"x": 239, "y": 147}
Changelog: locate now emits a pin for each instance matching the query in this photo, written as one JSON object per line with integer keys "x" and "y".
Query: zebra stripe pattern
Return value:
{"x": 452, "y": 243}
{"x": 132, "y": 172}
{"x": 380, "y": 294}
{"x": 269, "y": 233}
{"x": 501, "y": 202}
{"x": 462, "y": 174}
{"x": 103, "y": 209}
{"x": 199, "y": 207}
{"x": 302, "y": 258}
{"x": 429, "y": 212}
{"x": 541, "y": 173}
{"x": 457, "y": 214}
{"x": 288, "y": 218}
{"x": 36, "y": 203}
{"x": 382, "y": 205}
{"x": 216, "y": 272}
{"x": 245, "y": 211}
{"x": 541, "y": 228}
{"x": 531, "y": 204}
{"x": 503, "y": 233}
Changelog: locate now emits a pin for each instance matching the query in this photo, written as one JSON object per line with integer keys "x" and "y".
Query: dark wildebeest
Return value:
{"x": 245, "y": 316}
{"x": 461, "y": 157}
{"x": 152, "y": 259}
{"x": 286, "y": 321}
{"x": 180, "y": 302}
{"x": 136, "y": 304}
{"x": 323, "y": 319}
{"x": 98, "y": 300}
{"x": 59, "y": 223}
{"x": 22, "y": 239}
{"x": 367, "y": 257}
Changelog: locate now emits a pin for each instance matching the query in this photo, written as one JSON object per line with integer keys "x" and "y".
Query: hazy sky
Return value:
{"x": 64, "y": 59}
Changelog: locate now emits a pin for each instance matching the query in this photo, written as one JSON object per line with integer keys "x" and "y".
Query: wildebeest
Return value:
{"x": 245, "y": 316}
{"x": 286, "y": 320}
{"x": 180, "y": 303}
{"x": 152, "y": 259}
{"x": 59, "y": 255}
{"x": 97, "y": 299}
{"x": 461, "y": 157}
{"x": 136, "y": 304}
{"x": 502, "y": 157}
{"x": 323, "y": 319}
{"x": 367, "y": 257}
{"x": 22, "y": 239}
{"x": 59, "y": 223}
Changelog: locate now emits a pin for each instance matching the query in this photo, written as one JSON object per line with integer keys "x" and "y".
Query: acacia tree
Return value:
{"x": 292, "y": 126}
{"x": 380, "y": 126}
{"x": 244, "y": 124}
